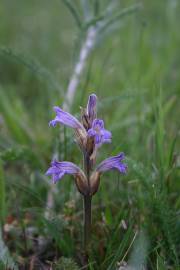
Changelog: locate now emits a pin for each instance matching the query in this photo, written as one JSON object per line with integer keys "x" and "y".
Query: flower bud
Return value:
{"x": 94, "y": 182}
{"x": 92, "y": 108}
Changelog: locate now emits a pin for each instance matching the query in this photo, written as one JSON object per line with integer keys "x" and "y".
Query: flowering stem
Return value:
{"x": 87, "y": 222}
{"x": 87, "y": 209}
{"x": 87, "y": 167}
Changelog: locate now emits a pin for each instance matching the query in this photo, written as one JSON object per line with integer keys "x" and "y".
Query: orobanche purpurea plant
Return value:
{"x": 90, "y": 135}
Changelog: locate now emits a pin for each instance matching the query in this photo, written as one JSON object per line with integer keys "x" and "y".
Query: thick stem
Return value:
{"x": 87, "y": 222}
{"x": 87, "y": 210}
{"x": 87, "y": 167}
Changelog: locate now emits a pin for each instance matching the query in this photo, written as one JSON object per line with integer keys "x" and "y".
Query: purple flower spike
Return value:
{"x": 66, "y": 119}
{"x": 91, "y": 107}
{"x": 113, "y": 163}
{"x": 100, "y": 134}
{"x": 59, "y": 169}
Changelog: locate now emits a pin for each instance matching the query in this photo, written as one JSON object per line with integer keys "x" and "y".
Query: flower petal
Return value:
{"x": 98, "y": 139}
{"x": 113, "y": 163}
{"x": 100, "y": 134}
{"x": 122, "y": 168}
{"x": 59, "y": 169}
{"x": 52, "y": 170}
{"x": 106, "y": 136}
{"x": 65, "y": 118}
{"x": 98, "y": 124}
{"x": 91, "y": 132}
{"x": 57, "y": 176}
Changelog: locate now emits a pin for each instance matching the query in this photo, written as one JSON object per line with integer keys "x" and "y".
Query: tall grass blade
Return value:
{"x": 125, "y": 12}
{"x": 73, "y": 11}
{"x": 14, "y": 119}
{"x": 2, "y": 195}
{"x": 86, "y": 9}
{"x": 33, "y": 65}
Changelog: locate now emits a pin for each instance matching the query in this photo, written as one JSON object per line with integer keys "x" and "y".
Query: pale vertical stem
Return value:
{"x": 79, "y": 67}
{"x": 50, "y": 201}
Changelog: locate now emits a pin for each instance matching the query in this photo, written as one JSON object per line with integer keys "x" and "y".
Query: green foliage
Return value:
{"x": 66, "y": 264}
{"x": 2, "y": 195}
{"x": 32, "y": 65}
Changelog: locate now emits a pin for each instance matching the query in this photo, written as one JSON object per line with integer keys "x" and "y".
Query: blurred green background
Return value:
{"x": 134, "y": 70}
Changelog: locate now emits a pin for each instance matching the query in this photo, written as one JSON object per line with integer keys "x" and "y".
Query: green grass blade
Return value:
{"x": 73, "y": 11}
{"x": 33, "y": 65}
{"x": 2, "y": 194}
{"x": 125, "y": 12}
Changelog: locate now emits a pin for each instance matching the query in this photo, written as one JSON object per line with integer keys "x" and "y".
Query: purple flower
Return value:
{"x": 66, "y": 119}
{"x": 113, "y": 163}
{"x": 59, "y": 169}
{"x": 100, "y": 134}
{"x": 91, "y": 108}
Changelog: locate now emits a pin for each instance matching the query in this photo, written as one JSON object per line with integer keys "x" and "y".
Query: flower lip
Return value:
{"x": 59, "y": 169}
{"x": 113, "y": 163}
{"x": 98, "y": 124}
{"x": 65, "y": 118}
{"x": 100, "y": 134}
